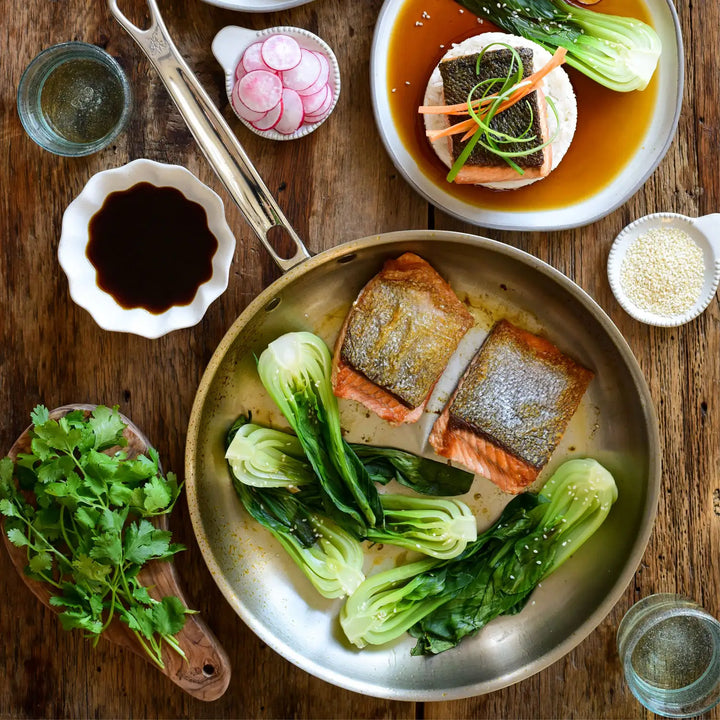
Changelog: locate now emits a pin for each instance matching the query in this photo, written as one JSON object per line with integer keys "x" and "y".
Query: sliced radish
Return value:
{"x": 281, "y": 52}
{"x": 242, "y": 109}
{"x": 252, "y": 59}
{"x": 322, "y": 111}
{"x": 293, "y": 113}
{"x": 312, "y": 103}
{"x": 304, "y": 74}
{"x": 322, "y": 78}
{"x": 259, "y": 90}
{"x": 240, "y": 71}
{"x": 271, "y": 118}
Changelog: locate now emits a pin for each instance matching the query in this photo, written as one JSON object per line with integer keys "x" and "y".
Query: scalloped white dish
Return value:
{"x": 82, "y": 274}
{"x": 231, "y": 42}
{"x": 257, "y": 6}
{"x": 607, "y": 189}
{"x": 704, "y": 232}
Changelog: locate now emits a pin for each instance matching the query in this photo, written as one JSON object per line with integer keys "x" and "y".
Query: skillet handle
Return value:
{"x": 218, "y": 143}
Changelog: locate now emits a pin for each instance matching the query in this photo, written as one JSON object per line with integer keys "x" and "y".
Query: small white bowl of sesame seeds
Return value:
{"x": 664, "y": 268}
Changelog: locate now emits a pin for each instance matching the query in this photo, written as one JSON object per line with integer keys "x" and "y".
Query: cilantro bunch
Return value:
{"x": 82, "y": 515}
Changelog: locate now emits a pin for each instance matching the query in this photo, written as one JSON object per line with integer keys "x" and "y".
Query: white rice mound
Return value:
{"x": 556, "y": 86}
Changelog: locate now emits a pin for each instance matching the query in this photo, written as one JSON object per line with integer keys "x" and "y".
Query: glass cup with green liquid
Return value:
{"x": 74, "y": 99}
{"x": 670, "y": 651}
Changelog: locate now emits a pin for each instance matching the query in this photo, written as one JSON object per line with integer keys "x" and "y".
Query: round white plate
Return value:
{"x": 258, "y": 6}
{"x": 636, "y": 171}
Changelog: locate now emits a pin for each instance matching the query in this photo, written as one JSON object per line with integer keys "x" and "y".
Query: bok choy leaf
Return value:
{"x": 424, "y": 476}
{"x": 295, "y": 370}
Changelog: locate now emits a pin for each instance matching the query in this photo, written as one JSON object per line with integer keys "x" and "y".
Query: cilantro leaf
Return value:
{"x": 119, "y": 494}
{"x": 157, "y": 495}
{"x": 58, "y": 435}
{"x": 40, "y": 415}
{"x": 17, "y": 537}
{"x": 87, "y": 569}
{"x": 140, "y": 619}
{"x": 9, "y": 509}
{"x": 107, "y": 426}
{"x": 78, "y": 619}
{"x": 108, "y": 546}
{"x": 99, "y": 465}
{"x": 143, "y": 542}
{"x": 42, "y": 562}
{"x": 169, "y": 615}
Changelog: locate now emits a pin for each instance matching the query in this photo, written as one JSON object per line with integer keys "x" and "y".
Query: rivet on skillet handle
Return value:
{"x": 215, "y": 138}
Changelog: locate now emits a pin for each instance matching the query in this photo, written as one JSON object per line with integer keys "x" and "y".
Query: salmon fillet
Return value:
{"x": 476, "y": 174}
{"x": 460, "y": 76}
{"x": 511, "y": 407}
{"x": 397, "y": 339}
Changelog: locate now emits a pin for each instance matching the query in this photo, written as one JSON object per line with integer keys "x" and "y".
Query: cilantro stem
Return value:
{"x": 62, "y": 530}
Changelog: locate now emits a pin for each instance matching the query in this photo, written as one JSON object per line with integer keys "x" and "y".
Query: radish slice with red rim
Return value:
{"x": 323, "y": 110}
{"x": 281, "y": 52}
{"x": 243, "y": 110}
{"x": 293, "y": 113}
{"x": 259, "y": 90}
{"x": 312, "y": 103}
{"x": 270, "y": 119}
{"x": 322, "y": 78}
{"x": 252, "y": 59}
{"x": 304, "y": 74}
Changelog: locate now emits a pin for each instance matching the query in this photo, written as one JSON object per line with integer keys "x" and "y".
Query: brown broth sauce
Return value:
{"x": 611, "y": 125}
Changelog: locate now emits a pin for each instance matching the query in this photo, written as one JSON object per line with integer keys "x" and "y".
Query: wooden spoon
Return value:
{"x": 205, "y": 674}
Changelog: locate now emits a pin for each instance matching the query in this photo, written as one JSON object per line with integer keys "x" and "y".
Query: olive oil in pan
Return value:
{"x": 151, "y": 247}
{"x": 82, "y": 100}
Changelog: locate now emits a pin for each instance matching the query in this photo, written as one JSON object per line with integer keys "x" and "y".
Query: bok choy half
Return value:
{"x": 620, "y": 53}
{"x": 329, "y": 556}
{"x": 441, "y": 602}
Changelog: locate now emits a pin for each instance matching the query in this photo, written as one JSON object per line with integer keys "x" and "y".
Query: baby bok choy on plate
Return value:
{"x": 620, "y": 53}
{"x": 441, "y": 602}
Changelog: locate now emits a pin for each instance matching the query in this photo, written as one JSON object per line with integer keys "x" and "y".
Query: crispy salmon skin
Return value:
{"x": 398, "y": 338}
{"x": 511, "y": 407}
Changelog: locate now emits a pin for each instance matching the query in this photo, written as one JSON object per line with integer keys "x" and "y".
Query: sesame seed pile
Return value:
{"x": 662, "y": 271}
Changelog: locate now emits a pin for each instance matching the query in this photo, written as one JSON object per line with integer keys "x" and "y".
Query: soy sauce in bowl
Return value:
{"x": 151, "y": 247}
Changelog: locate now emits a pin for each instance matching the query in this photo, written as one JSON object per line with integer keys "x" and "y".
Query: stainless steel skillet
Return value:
{"x": 616, "y": 424}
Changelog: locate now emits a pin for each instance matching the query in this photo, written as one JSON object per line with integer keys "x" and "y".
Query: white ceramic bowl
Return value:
{"x": 81, "y": 273}
{"x": 705, "y": 232}
{"x": 231, "y": 42}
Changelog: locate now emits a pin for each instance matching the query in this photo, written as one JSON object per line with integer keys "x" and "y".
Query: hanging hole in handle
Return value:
{"x": 208, "y": 670}
{"x": 281, "y": 242}
{"x": 346, "y": 258}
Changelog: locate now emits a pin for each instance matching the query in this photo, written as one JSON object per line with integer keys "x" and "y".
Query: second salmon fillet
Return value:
{"x": 398, "y": 338}
{"x": 511, "y": 408}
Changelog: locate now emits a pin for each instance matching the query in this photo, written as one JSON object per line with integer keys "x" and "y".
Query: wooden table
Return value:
{"x": 335, "y": 185}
